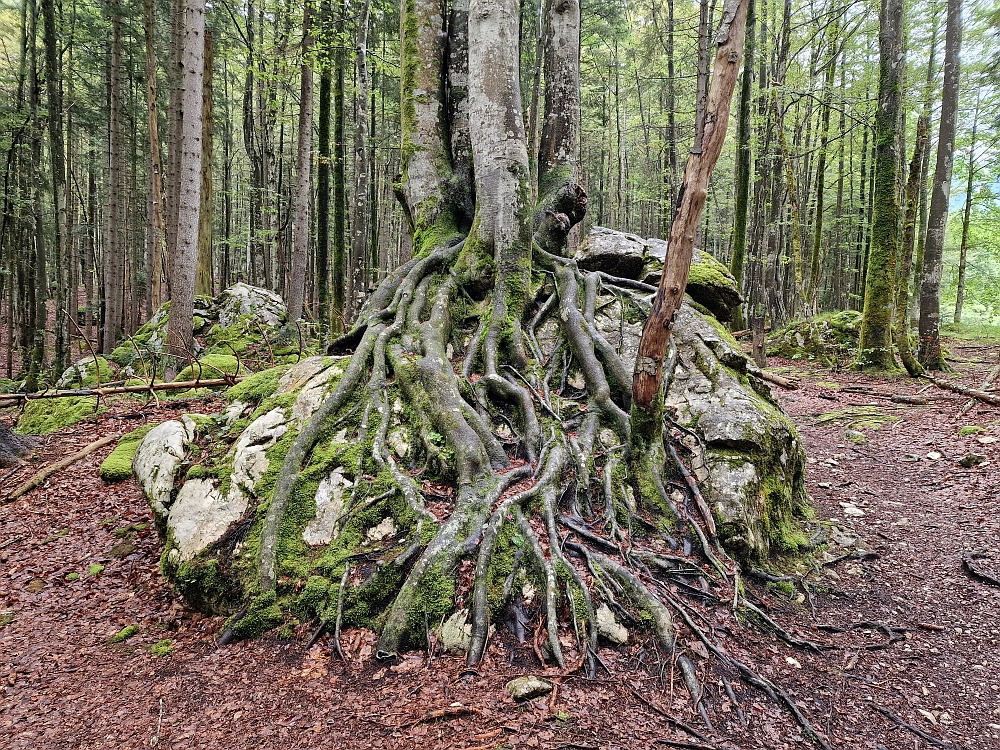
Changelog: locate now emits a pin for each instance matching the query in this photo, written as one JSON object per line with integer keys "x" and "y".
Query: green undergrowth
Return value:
{"x": 858, "y": 418}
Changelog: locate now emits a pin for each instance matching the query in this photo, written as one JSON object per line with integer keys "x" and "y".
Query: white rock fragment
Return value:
{"x": 200, "y": 516}
{"x": 330, "y": 498}
{"x": 385, "y": 528}
{"x": 157, "y": 458}
{"x": 609, "y": 627}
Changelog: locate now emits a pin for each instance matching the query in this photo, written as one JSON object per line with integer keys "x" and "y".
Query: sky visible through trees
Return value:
{"x": 89, "y": 214}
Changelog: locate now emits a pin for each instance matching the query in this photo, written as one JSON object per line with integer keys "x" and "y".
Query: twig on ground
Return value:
{"x": 916, "y": 730}
{"x": 48, "y": 471}
{"x": 671, "y": 719}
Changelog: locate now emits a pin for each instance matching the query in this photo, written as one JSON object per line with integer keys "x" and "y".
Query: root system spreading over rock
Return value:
{"x": 468, "y": 469}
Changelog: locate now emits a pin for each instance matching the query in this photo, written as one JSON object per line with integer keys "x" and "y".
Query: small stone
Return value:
{"x": 850, "y": 509}
{"x": 386, "y": 527}
{"x": 609, "y": 627}
{"x": 856, "y": 437}
{"x": 527, "y": 688}
{"x": 455, "y": 634}
{"x": 970, "y": 460}
{"x": 987, "y": 440}
{"x": 910, "y": 458}
{"x": 824, "y": 485}
{"x": 934, "y": 456}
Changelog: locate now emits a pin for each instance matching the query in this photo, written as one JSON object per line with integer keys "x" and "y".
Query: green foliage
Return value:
{"x": 95, "y": 569}
{"x": 211, "y": 367}
{"x": 970, "y": 430}
{"x": 162, "y": 648}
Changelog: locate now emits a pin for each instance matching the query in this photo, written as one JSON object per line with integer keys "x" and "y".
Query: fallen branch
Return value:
{"x": 972, "y": 567}
{"x": 916, "y": 730}
{"x": 683, "y": 744}
{"x": 12, "y": 399}
{"x": 990, "y": 379}
{"x": 963, "y": 390}
{"x": 787, "y": 383}
{"x": 441, "y": 713}
{"x": 48, "y": 471}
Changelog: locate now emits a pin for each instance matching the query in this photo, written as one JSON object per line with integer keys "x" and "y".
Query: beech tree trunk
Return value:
{"x": 966, "y": 216}
{"x": 912, "y": 198}
{"x": 180, "y": 337}
{"x": 156, "y": 221}
{"x": 930, "y": 354}
{"x": 203, "y": 280}
{"x": 114, "y": 253}
{"x": 295, "y": 295}
{"x": 358, "y": 278}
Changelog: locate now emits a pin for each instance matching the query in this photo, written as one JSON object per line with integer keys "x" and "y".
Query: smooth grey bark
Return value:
{"x": 967, "y": 215}
{"x": 303, "y": 177}
{"x": 930, "y": 354}
{"x": 180, "y": 337}
{"x": 560, "y": 131}
{"x": 357, "y": 277}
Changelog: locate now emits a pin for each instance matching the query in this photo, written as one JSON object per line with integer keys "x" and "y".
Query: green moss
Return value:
{"x": 95, "y": 569}
{"x": 124, "y": 634}
{"x": 162, "y": 648}
{"x": 118, "y": 465}
{"x": 43, "y": 416}
{"x": 858, "y": 417}
{"x": 211, "y": 367}
{"x": 970, "y": 430}
{"x": 262, "y": 614}
{"x": 72, "y": 576}
{"x": 258, "y": 386}
{"x": 83, "y": 373}
{"x": 314, "y": 595}
{"x": 204, "y": 583}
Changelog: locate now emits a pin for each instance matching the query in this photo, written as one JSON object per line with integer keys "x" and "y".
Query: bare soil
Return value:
{"x": 902, "y": 493}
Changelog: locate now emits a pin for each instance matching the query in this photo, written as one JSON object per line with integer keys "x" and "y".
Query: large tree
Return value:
{"x": 930, "y": 354}
{"x": 876, "y": 326}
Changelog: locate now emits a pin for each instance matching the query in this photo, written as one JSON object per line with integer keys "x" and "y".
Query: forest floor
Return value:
{"x": 902, "y": 493}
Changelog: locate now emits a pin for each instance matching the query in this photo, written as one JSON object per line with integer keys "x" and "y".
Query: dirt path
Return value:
{"x": 65, "y": 686}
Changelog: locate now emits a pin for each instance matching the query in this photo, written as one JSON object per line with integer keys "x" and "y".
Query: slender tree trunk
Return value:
{"x": 156, "y": 221}
{"x": 323, "y": 176}
{"x": 677, "y": 264}
{"x": 203, "y": 279}
{"x": 930, "y": 289}
{"x": 815, "y": 266}
{"x": 57, "y": 161}
{"x": 876, "y": 325}
{"x": 560, "y": 137}
{"x": 966, "y": 215}
{"x": 357, "y": 282}
{"x": 906, "y": 254}
{"x": 929, "y": 92}
{"x": 743, "y": 154}
{"x": 114, "y": 252}
{"x": 303, "y": 177}
{"x": 338, "y": 298}
{"x": 174, "y": 117}
{"x": 180, "y": 336}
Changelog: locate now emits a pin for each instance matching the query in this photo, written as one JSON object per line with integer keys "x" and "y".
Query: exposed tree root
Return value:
{"x": 551, "y": 489}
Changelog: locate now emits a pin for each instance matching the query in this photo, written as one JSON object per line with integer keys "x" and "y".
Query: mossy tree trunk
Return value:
{"x": 912, "y": 198}
{"x": 876, "y": 326}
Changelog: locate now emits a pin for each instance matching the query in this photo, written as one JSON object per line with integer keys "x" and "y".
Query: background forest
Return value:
{"x": 302, "y": 154}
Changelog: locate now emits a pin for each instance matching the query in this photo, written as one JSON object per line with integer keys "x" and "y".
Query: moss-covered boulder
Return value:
{"x": 118, "y": 465}
{"x": 629, "y": 256}
{"x": 45, "y": 415}
{"x": 86, "y": 372}
{"x": 241, "y": 317}
{"x": 745, "y": 452}
{"x": 207, "y": 483}
{"x": 211, "y": 367}
{"x": 826, "y": 339}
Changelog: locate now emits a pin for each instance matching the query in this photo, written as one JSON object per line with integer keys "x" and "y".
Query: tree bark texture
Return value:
{"x": 930, "y": 354}
{"x": 303, "y": 177}
{"x": 876, "y": 338}
{"x": 155, "y": 220}
{"x": 180, "y": 337}
{"x": 114, "y": 254}
{"x": 697, "y": 172}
